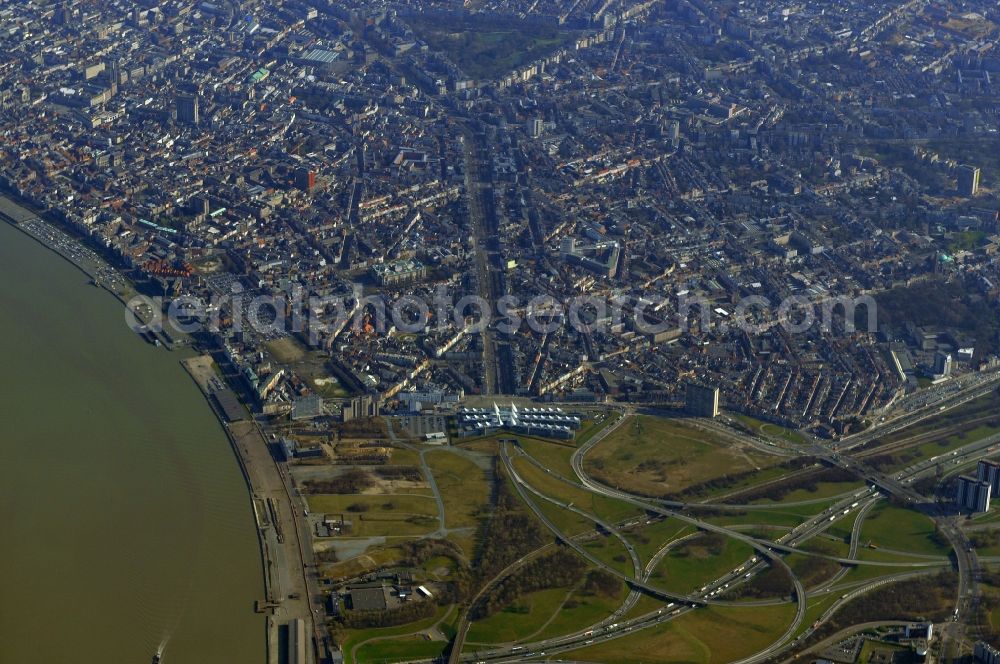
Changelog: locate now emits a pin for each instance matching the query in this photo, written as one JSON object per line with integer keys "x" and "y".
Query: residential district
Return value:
{"x": 636, "y": 331}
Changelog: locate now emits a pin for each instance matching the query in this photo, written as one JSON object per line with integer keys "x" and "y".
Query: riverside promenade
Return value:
{"x": 290, "y": 584}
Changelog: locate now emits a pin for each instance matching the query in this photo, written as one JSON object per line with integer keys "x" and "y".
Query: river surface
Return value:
{"x": 124, "y": 518}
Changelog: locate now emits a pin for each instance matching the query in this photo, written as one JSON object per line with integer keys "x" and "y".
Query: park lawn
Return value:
{"x": 788, "y": 518}
{"x": 649, "y": 539}
{"x": 860, "y": 573}
{"x": 611, "y": 552}
{"x": 607, "y": 509}
{"x": 286, "y": 350}
{"x": 771, "y": 430}
{"x": 984, "y": 405}
{"x": 439, "y": 568}
{"x": 488, "y": 49}
{"x": 986, "y": 541}
{"x": 402, "y": 649}
{"x": 657, "y": 456}
{"x": 377, "y": 504}
{"x": 823, "y": 490}
{"x": 988, "y": 517}
{"x": 828, "y": 547}
{"x": 590, "y": 428}
{"x": 464, "y": 487}
{"x": 567, "y": 521}
{"x": 404, "y": 457}
{"x": 912, "y": 455}
{"x": 903, "y": 530}
{"x": 356, "y": 637}
{"x": 880, "y": 651}
{"x": 372, "y": 559}
{"x": 763, "y": 532}
{"x": 388, "y": 515}
{"x": 554, "y": 456}
{"x": 519, "y": 620}
{"x": 581, "y": 610}
{"x": 843, "y": 529}
{"x": 329, "y": 387}
{"x": 711, "y": 635}
{"x": 646, "y": 604}
{"x": 810, "y": 570}
{"x": 694, "y": 562}
{"x": 882, "y": 556}
{"x": 815, "y": 608}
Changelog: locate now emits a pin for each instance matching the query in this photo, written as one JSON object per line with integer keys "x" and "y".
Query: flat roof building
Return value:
{"x": 398, "y": 272}
{"x": 701, "y": 400}
{"x": 968, "y": 180}
{"x": 973, "y": 495}
{"x": 544, "y": 422}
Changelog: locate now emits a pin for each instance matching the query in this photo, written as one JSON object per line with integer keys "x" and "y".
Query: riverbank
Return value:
{"x": 111, "y": 280}
{"x": 285, "y": 546}
{"x": 101, "y": 273}
{"x": 117, "y": 484}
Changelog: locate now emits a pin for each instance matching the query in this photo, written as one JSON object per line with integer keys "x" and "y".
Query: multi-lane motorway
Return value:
{"x": 768, "y": 552}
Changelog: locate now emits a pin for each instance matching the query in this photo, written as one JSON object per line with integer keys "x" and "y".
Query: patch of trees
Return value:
{"x": 353, "y": 480}
{"x": 507, "y": 534}
{"x": 727, "y": 481}
{"x": 988, "y": 603}
{"x": 327, "y": 556}
{"x": 362, "y": 428}
{"x": 559, "y": 569}
{"x": 922, "y": 598}
{"x": 881, "y": 462}
{"x": 409, "y": 473}
{"x": 808, "y": 481}
{"x": 415, "y": 553}
{"x": 926, "y": 485}
{"x": 983, "y": 539}
{"x": 601, "y": 582}
{"x": 812, "y": 570}
{"x": 460, "y": 583}
{"x": 773, "y": 582}
{"x": 942, "y": 303}
{"x": 405, "y": 613}
{"x": 710, "y": 542}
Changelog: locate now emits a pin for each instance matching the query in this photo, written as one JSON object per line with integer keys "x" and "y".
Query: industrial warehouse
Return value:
{"x": 545, "y": 422}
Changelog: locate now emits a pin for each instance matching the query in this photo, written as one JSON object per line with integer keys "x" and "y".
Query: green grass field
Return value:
{"x": 401, "y": 649}
{"x": 465, "y": 491}
{"x": 658, "y": 456}
{"x": 646, "y": 604}
{"x": 810, "y": 570}
{"x": 372, "y": 559}
{"x": 487, "y": 49}
{"x": 787, "y": 517}
{"x": 706, "y": 636}
{"x": 552, "y": 455}
{"x": 902, "y": 530}
{"x": 815, "y": 608}
{"x": 648, "y": 539}
{"x": 568, "y": 522}
{"x": 611, "y": 552}
{"x": 605, "y": 508}
{"x": 359, "y": 637}
{"x": 699, "y": 560}
{"x": 389, "y": 515}
{"x": 519, "y": 620}
{"x": 771, "y": 430}
{"x": 823, "y": 490}
{"x": 826, "y": 546}
{"x": 581, "y": 610}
